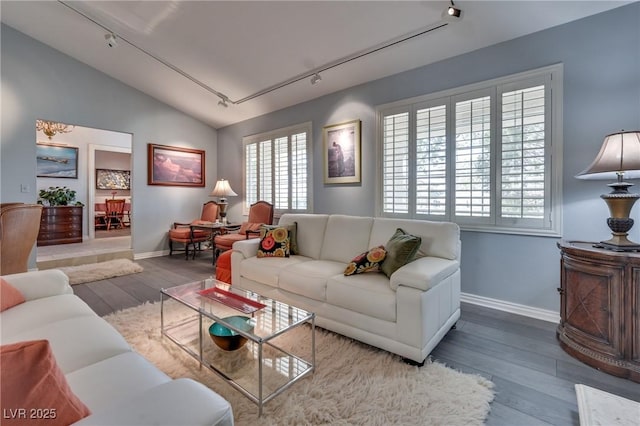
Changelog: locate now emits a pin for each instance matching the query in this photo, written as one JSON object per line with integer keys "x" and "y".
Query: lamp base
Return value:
{"x": 618, "y": 243}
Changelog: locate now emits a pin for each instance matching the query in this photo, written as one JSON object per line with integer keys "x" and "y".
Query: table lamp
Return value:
{"x": 619, "y": 157}
{"x": 223, "y": 190}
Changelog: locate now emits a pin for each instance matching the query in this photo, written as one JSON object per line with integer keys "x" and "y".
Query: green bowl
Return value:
{"x": 228, "y": 339}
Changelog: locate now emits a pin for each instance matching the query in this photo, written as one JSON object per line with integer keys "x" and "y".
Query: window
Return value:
{"x": 481, "y": 155}
{"x": 277, "y": 169}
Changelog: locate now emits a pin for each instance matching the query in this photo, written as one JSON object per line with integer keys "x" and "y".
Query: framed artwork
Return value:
{"x": 175, "y": 166}
{"x": 113, "y": 179}
{"x": 56, "y": 161}
{"x": 342, "y": 152}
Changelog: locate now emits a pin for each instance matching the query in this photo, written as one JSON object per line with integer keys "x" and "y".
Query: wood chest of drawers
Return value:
{"x": 60, "y": 225}
{"x": 600, "y": 308}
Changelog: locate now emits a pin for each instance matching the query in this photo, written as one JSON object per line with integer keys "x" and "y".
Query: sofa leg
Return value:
{"x": 412, "y": 362}
{"x": 454, "y": 326}
{"x": 170, "y": 247}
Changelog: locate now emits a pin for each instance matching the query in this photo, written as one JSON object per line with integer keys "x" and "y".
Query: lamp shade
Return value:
{"x": 222, "y": 189}
{"x": 620, "y": 153}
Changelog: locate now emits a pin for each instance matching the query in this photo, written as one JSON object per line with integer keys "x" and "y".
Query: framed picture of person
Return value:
{"x": 175, "y": 166}
{"x": 341, "y": 144}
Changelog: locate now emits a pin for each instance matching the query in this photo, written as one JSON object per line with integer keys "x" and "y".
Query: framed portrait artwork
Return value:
{"x": 113, "y": 179}
{"x": 56, "y": 161}
{"x": 175, "y": 166}
{"x": 342, "y": 152}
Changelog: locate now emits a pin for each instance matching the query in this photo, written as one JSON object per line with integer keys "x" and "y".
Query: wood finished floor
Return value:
{"x": 534, "y": 378}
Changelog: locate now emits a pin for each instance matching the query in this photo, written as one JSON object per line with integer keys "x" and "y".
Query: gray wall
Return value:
{"x": 40, "y": 82}
{"x": 601, "y": 57}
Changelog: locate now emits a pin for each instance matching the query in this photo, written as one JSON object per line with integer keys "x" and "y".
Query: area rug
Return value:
{"x": 354, "y": 384}
{"x": 100, "y": 271}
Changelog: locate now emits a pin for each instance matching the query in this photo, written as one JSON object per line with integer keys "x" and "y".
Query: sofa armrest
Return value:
{"x": 423, "y": 273}
{"x": 248, "y": 248}
{"x": 181, "y": 401}
{"x": 40, "y": 284}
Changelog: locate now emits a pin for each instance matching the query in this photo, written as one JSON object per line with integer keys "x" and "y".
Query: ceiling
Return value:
{"x": 195, "y": 49}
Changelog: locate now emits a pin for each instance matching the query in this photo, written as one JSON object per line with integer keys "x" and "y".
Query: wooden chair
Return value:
{"x": 114, "y": 212}
{"x": 182, "y": 232}
{"x": 259, "y": 213}
{"x": 19, "y": 228}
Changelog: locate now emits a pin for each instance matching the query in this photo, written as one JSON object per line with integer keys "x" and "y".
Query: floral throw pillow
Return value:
{"x": 274, "y": 242}
{"x": 369, "y": 261}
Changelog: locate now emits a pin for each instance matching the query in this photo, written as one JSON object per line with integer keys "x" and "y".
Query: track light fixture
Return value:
{"x": 111, "y": 40}
{"x": 223, "y": 102}
{"x": 454, "y": 11}
{"x": 316, "y": 78}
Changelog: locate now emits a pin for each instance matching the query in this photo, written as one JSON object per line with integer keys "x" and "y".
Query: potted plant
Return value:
{"x": 58, "y": 196}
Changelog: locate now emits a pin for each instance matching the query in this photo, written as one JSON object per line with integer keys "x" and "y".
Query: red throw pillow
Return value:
{"x": 9, "y": 296}
{"x": 33, "y": 389}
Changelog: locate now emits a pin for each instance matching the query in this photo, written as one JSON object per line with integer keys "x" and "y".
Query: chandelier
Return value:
{"x": 50, "y": 128}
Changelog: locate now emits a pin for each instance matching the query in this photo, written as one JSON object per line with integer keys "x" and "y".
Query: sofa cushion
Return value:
{"x": 369, "y": 261}
{"x": 32, "y": 381}
{"x": 9, "y": 296}
{"x": 401, "y": 249}
{"x": 77, "y": 342}
{"x": 120, "y": 378}
{"x": 368, "y": 294}
{"x": 265, "y": 270}
{"x": 274, "y": 242}
{"x": 309, "y": 279}
{"x": 310, "y": 232}
{"x": 49, "y": 310}
{"x": 441, "y": 239}
{"x": 345, "y": 236}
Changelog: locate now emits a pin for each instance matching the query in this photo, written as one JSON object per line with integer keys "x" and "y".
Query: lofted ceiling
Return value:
{"x": 189, "y": 53}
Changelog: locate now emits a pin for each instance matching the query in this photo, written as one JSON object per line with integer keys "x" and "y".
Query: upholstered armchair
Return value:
{"x": 259, "y": 213}
{"x": 19, "y": 227}
{"x": 183, "y": 233}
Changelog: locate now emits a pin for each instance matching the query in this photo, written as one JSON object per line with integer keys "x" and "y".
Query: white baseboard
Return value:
{"x": 149, "y": 254}
{"x": 514, "y": 308}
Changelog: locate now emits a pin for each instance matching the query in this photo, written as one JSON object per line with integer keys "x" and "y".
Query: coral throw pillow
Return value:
{"x": 34, "y": 390}
{"x": 369, "y": 261}
{"x": 9, "y": 296}
{"x": 401, "y": 249}
{"x": 274, "y": 242}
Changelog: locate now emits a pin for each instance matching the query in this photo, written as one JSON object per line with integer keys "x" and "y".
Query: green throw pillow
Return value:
{"x": 401, "y": 249}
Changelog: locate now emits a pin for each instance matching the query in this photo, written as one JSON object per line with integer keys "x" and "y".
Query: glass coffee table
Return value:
{"x": 265, "y": 365}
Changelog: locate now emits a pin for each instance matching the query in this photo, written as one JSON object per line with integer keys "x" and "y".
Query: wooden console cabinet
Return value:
{"x": 60, "y": 225}
{"x": 600, "y": 308}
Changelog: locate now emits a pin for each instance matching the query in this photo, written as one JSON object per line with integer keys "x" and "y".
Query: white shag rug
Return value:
{"x": 354, "y": 384}
{"x": 100, "y": 271}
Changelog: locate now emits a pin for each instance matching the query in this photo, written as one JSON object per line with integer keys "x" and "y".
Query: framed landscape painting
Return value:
{"x": 342, "y": 152}
{"x": 56, "y": 161}
{"x": 175, "y": 166}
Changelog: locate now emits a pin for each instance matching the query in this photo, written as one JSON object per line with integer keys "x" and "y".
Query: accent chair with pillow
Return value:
{"x": 182, "y": 233}
{"x": 260, "y": 213}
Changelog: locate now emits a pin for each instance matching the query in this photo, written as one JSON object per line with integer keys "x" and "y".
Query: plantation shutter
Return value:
{"x": 281, "y": 173}
{"x": 265, "y": 171}
{"x": 395, "y": 163}
{"x": 251, "y": 174}
{"x": 299, "y": 171}
{"x": 431, "y": 161}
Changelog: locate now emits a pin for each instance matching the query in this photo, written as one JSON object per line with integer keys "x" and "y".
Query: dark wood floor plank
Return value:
{"x": 517, "y": 353}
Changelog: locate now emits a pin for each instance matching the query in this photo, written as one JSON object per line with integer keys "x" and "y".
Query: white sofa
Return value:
{"x": 118, "y": 385}
{"x": 406, "y": 314}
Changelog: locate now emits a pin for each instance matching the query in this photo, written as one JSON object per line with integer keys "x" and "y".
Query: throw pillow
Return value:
{"x": 369, "y": 261}
{"x": 274, "y": 242}
{"x": 9, "y": 296}
{"x": 401, "y": 249}
{"x": 31, "y": 381}
{"x": 293, "y": 235}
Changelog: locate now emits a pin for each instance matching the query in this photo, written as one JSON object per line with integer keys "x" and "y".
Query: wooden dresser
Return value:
{"x": 60, "y": 225}
{"x": 600, "y": 308}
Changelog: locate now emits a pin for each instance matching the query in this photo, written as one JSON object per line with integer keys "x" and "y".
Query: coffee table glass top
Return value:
{"x": 268, "y": 363}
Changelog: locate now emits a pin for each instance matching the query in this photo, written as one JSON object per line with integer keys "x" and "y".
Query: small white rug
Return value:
{"x": 100, "y": 271}
{"x": 354, "y": 384}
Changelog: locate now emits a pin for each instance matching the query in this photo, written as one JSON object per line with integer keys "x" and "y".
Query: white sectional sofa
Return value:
{"x": 117, "y": 385}
{"x": 406, "y": 314}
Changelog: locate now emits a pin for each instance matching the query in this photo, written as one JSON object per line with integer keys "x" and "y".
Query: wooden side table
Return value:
{"x": 600, "y": 308}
